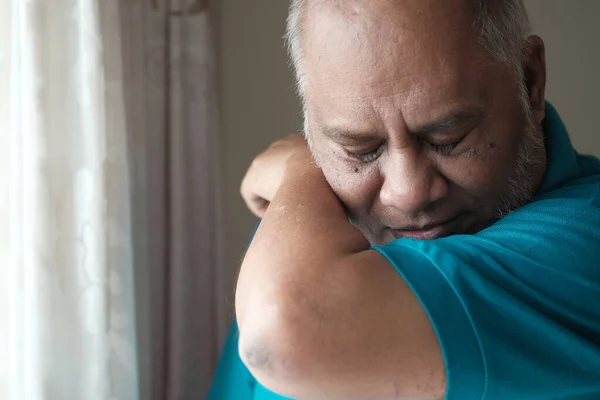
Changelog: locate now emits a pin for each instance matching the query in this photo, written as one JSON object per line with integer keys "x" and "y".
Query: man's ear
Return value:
{"x": 535, "y": 76}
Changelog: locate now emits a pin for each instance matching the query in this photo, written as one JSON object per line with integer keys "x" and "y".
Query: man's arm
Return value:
{"x": 323, "y": 317}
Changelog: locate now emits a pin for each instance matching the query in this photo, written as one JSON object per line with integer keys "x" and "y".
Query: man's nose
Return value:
{"x": 411, "y": 182}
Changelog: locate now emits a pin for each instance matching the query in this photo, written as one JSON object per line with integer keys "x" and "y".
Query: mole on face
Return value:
{"x": 491, "y": 145}
{"x": 356, "y": 169}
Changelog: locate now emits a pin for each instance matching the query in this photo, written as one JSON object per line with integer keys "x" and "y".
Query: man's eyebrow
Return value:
{"x": 452, "y": 119}
{"x": 348, "y": 136}
{"x": 448, "y": 121}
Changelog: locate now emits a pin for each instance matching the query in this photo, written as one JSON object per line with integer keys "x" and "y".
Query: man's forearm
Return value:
{"x": 302, "y": 239}
{"x": 306, "y": 222}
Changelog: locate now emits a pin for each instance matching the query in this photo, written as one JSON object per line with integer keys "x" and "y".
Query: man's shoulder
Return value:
{"x": 589, "y": 165}
{"x": 581, "y": 194}
{"x": 559, "y": 231}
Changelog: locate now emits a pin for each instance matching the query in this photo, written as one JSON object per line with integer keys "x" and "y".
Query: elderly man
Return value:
{"x": 445, "y": 242}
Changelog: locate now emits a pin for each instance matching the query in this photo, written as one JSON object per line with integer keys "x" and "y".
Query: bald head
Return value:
{"x": 500, "y": 26}
{"x": 373, "y": 43}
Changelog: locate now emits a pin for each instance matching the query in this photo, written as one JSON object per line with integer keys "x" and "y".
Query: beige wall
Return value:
{"x": 258, "y": 103}
{"x": 571, "y": 31}
{"x": 259, "y": 106}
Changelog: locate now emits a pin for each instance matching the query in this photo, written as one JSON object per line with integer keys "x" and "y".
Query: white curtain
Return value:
{"x": 67, "y": 321}
{"x": 111, "y": 279}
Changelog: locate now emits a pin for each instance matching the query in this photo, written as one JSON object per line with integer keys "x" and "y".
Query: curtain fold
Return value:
{"x": 173, "y": 114}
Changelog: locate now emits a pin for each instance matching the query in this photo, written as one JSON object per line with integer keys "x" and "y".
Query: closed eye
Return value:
{"x": 367, "y": 157}
{"x": 445, "y": 149}
{"x": 370, "y": 156}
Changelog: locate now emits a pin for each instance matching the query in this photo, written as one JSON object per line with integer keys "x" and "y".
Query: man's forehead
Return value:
{"x": 389, "y": 41}
{"x": 417, "y": 97}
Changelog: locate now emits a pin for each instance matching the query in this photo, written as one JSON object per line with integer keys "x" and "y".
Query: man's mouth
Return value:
{"x": 428, "y": 231}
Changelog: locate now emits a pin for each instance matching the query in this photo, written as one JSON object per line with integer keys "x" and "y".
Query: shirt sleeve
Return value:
{"x": 516, "y": 308}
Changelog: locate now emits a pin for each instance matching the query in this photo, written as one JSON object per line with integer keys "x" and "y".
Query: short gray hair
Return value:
{"x": 504, "y": 27}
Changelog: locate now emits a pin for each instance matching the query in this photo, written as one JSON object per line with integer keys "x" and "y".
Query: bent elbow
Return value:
{"x": 267, "y": 355}
{"x": 270, "y": 345}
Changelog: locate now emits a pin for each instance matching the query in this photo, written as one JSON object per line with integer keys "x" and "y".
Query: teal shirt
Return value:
{"x": 516, "y": 307}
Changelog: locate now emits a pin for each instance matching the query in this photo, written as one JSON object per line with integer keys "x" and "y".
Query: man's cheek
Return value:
{"x": 471, "y": 174}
